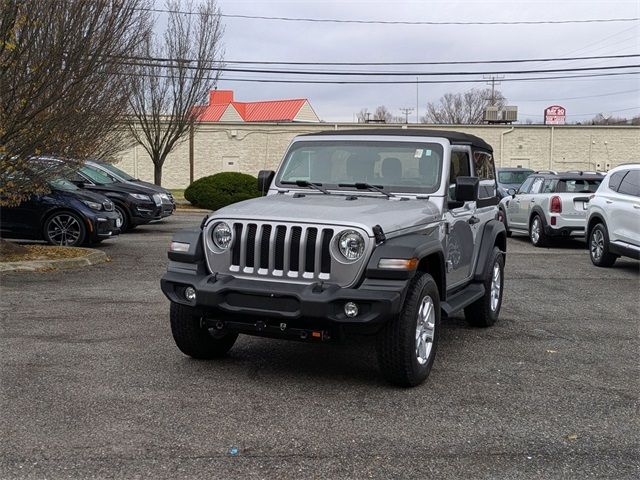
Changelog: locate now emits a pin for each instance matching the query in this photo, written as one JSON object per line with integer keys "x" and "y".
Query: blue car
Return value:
{"x": 67, "y": 216}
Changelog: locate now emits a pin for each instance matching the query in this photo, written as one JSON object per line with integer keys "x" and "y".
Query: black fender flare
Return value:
{"x": 493, "y": 234}
{"x": 540, "y": 212}
{"x": 591, "y": 221}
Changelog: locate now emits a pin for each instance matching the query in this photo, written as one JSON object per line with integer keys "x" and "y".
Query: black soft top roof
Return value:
{"x": 455, "y": 138}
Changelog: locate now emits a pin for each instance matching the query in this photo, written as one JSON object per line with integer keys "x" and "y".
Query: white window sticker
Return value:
{"x": 427, "y": 153}
{"x": 418, "y": 153}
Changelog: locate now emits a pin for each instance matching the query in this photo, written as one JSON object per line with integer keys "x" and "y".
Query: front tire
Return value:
{"x": 65, "y": 229}
{"x": 407, "y": 344}
{"x": 536, "y": 232}
{"x": 484, "y": 311}
{"x": 193, "y": 339}
{"x": 124, "y": 218}
{"x": 599, "y": 247}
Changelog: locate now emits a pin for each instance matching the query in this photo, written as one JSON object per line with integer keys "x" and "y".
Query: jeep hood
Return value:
{"x": 365, "y": 210}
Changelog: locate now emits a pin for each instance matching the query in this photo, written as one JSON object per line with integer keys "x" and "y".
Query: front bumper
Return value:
{"x": 103, "y": 225}
{"x": 310, "y": 306}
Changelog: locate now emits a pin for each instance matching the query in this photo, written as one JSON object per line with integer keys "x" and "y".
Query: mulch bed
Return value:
{"x": 42, "y": 252}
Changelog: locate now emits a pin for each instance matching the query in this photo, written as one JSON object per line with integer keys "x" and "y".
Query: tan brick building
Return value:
{"x": 250, "y": 147}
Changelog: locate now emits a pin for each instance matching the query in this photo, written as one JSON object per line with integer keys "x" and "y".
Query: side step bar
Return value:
{"x": 463, "y": 298}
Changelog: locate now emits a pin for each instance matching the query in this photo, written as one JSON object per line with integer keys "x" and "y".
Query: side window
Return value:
{"x": 630, "y": 184}
{"x": 537, "y": 185}
{"x": 486, "y": 172}
{"x": 459, "y": 168}
{"x": 615, "y": 179}
{"x": 524, "y": 188}
{"x": 548, "y": 186}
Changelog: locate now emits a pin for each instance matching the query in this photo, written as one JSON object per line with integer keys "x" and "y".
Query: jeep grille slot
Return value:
{"x": 282, "y": 250}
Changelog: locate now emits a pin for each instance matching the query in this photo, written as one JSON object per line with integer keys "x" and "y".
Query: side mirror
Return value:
{"x": 467, "y": 189}
{"x": 265, "y": 177}
{"x": 512, "y": 192}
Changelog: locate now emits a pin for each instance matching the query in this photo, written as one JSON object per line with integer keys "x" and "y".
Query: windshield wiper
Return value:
{"x": 367, "y": 186}
{"x": 306, "y": 183}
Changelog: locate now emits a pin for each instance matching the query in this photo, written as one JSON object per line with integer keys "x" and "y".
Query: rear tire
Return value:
{"x": 599, "y": 247}
{"x": 484, "y": 311}
{"x": 536, "y": 232}
{"x": 193, "y": 339}
{"x": 407, "y": 344}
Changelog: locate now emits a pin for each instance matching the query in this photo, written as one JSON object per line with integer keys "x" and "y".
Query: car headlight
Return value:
{"x": 92, "y": 205}
{"x": 351, "y": 245}
{"x": 140, "y": 196}
{"x": 221, "y": 235}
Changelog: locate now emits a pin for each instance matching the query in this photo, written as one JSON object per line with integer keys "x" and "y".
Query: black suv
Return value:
{"x": 134, "y": 204}
{"x": 66, "y": 216}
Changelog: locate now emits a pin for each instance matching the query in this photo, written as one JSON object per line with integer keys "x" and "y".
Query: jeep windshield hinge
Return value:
{"x": 378, "y": 234}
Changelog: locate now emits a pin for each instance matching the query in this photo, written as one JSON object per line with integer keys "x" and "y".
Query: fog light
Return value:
{"x": 350, "y": 309}
{"x": 190, "y": 294}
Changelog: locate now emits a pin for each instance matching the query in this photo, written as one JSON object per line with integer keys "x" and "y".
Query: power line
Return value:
{"x": 577, "y": 98}
{"x": 389, "y": 82}
{"x": 166, "y": 63}
{"x": 452, "y": 62}
{"x": 395, "y": 22}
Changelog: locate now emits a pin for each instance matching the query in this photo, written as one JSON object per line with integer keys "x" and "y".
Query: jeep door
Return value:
{"x": 462, "y": 228}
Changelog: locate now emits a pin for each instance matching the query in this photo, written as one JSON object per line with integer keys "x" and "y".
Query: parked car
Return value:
{"x": 613, "y": 217}
{"x": 511, "y": 177}
{"x": 135, "y": 204}
{"x": 121, "y": 176}
{"x": 549, "y": 205}
{"x": 67, "y": 216}
{"x": 369, "y": 231}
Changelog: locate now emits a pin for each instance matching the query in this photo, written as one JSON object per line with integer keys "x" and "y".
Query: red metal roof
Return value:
{"x": 267, "y": 111}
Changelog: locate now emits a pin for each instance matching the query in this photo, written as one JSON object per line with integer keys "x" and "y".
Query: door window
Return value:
{"x": 459, "y": 168}
{"x": 524, "y": 188}
{"x": 630, "y": 184}
{"x": 537, "y": 185}
{"x": 486, "y": 172}
{"x": 615, "y": 179}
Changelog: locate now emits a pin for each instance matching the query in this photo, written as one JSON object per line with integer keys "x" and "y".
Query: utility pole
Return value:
{"x": 406, "y": 111}
{"x": 493, "y": 80}
{"x": 417, "y": 102}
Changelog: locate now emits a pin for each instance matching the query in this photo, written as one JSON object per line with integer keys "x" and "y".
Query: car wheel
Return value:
{"x": 66, "y": 229}
{"x": 123, "y": 215}
{"x": 536, "y": 232}
{"x": 407, "y": 344}
{"x": 502, "y": 217}
{"x": 193, "y": 338}
{"x": 484, "y": 311}
{"x": 599, "y": 247}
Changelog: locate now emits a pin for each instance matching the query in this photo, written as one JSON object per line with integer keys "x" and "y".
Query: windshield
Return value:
{"x": 117, "y": 171}
{"x": 394, "y": 166}
{"x": 62, "y": 184}
{"x": 514, "y": 178}
{"x": 96, "y": 176}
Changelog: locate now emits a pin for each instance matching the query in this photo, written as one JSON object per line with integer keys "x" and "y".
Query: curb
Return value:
{"x": 93, "y": 257}
{"x": 191, "y": 210}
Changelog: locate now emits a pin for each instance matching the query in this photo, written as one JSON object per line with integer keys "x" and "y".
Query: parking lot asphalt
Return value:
{"x": 94, "y": 387}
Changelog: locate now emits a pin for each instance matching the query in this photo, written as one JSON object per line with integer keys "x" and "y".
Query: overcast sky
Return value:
{"x": 248, "y": 39}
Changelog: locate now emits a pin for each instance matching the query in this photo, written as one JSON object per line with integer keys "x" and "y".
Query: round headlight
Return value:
{"x": 351, "y": 245}
{"x": 221, "y": 235}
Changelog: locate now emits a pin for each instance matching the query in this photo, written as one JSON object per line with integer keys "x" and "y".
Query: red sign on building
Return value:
{"x": 554, "y": 115}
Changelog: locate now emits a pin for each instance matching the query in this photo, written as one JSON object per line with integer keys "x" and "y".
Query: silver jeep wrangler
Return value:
{"x": 359, "y": 231}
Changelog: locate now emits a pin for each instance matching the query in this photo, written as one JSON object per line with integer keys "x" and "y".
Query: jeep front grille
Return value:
{"x": 281, "y": 250}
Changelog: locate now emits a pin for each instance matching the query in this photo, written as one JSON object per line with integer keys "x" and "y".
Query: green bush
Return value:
{"x": 222, "y": 189}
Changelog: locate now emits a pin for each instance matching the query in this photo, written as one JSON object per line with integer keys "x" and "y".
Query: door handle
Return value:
{"x": 636, "y": 206}
{"x": 533, "y": 201}
{"x": 609, "y": 201}
{"x": 473, "y": 220}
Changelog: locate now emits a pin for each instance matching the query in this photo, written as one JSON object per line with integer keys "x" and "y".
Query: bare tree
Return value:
{"x": 64, "y": 86}
{"x": 462, "y": 108}
{"x": 382, "y": 114}
{"x": 180, "y": 71}
{"x": 363, "y": 115}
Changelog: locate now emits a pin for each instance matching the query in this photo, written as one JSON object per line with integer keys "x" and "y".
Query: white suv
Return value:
{"x": 548, "y": 205}
{"x": 613, "y": 217}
